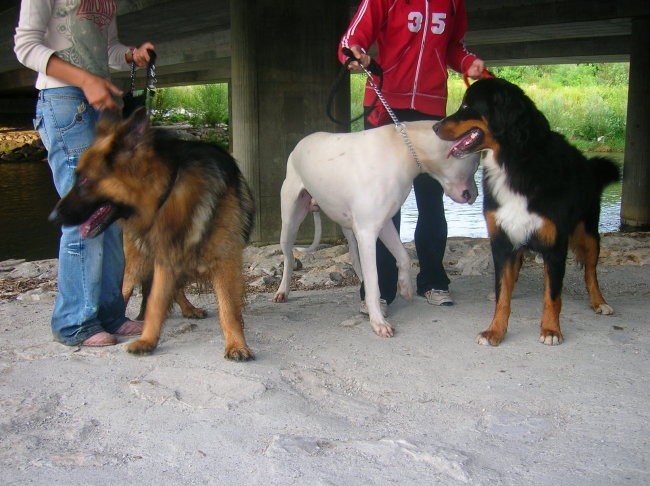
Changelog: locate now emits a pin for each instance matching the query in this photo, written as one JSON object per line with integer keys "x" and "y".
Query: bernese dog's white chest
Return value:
{"x": 513, "y": 216}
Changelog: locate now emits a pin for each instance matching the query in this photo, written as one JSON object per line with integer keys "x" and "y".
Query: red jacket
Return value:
{"x": 416, "y": 41}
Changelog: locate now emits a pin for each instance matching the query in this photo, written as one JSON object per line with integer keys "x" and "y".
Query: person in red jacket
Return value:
{"x": 416, "y": 41}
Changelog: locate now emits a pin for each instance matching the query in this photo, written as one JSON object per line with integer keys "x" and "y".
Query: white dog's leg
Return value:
{"x": 318, "y": 231}
{"x": 294, "y": 208}
{"x": 367, "y": 241}
{"x": 390, "y": 238}
{"x": 353, "y": 250}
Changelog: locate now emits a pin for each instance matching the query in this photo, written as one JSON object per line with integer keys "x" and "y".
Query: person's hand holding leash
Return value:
{"x": 362, "y": 58}
{"x": 140, "y": 55}
{"x": 98, "y": 91}
{"x": 476, "y": 69}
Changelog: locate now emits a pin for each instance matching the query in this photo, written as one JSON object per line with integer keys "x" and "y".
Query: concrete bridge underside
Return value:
{"x": 279, "y": 58}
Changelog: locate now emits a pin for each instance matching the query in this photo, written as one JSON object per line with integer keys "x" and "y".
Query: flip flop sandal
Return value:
{"x": 99, "y": 340}
{"x": 130, "y": 328}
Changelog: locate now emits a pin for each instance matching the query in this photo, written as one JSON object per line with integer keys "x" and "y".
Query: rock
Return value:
{"x": 20, "y": 146}
{"x": 40, "y": 269}
{"x": 330, "y": 266}
{"x": 38, "y": 295}
{"x": 9, "y": 265}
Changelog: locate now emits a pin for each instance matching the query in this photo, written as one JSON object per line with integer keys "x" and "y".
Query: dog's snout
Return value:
{"x": 436, "y": 127}
{"x": 467, "y": 195}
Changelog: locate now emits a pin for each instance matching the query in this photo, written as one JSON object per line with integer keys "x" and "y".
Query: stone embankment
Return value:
{"x": 18, "y": 144}
{"x": 327, "y": 267}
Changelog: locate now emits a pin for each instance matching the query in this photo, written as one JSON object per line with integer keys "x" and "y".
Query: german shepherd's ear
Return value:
{"x": 107, "y": 121}
{"x": 136, "y": 127}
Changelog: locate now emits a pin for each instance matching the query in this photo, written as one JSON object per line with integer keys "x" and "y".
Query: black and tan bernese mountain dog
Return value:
{"x": 540, "y": 193}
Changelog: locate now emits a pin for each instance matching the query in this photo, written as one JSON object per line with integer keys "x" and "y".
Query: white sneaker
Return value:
{"x": 383, "y": 305}
{"x": 438, "y": 297}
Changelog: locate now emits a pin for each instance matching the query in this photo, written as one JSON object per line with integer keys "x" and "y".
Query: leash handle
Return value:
{"x": 151, "y": 69}
{"x": 151, "y": 72}
{"x": 151, "y": 80}
{"x": 373, "y": 67}
{"x": 484, "y": 75}
{"x": 150, "y": 85}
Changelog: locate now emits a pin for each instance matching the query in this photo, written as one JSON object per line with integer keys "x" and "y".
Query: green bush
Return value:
{"x": 585, "y": 102}
{"x": 203, "y": 105}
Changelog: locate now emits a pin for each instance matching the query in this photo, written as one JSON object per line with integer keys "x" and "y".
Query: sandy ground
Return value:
{"x": 328, "y": 402}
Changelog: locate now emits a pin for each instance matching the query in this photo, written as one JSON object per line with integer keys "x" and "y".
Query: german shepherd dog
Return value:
{"x": 540, "y": 193}
{"x": 186, "y": 207}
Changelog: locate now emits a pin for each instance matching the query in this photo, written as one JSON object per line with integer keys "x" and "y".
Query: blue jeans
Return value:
{"x": 90, "y": 270}
{"x": 430, "y": 231}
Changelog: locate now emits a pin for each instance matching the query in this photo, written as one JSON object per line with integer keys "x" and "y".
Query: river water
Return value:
{"x": 467, "y": 220}
{"x": 28, "y": 196}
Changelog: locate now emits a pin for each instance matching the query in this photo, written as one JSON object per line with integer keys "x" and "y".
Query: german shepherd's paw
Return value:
{"x": 141, "y": 346}
{"x": 239, "y": 353}
{"x": 194, "y": 312}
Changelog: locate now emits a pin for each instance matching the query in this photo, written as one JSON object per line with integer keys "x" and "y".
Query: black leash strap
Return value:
{"x": 373, "y": 68}
{"x": 401, "y": 128}
{"x": 131, "y": 100}
{"x": 151, "y": 80}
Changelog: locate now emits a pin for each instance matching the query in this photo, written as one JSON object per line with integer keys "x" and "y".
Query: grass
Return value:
{"x": 202, "y": 105}
{"x": 587, "y": 103}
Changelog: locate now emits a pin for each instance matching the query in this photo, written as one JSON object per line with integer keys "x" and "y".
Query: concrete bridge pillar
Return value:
{"x": 283, "y": 65}
{"x": 635, "y": 203}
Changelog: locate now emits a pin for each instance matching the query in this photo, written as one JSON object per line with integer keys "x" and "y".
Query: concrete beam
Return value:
{"x": 279, "y": 92}
{"x": 522, "y": 13}
{"x": 635, "y": 202}
{"x": 563, "y": 51}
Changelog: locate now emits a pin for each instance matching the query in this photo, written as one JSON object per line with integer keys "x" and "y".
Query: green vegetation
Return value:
{"x": 587, "y": 103}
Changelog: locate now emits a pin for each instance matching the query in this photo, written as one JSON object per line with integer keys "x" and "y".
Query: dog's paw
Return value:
{"x": 551, "y": 338}
{"x": 489, "y": 338}
{"x": 405, "y": 289}
{"x": 280, "y": 297}
{"x": 604, "y": 309}
{"x": 239, "y": 353}
{"x": 382, "y": 329}
{"x": 140, "y": 346}
{"x": 194, "y": 313}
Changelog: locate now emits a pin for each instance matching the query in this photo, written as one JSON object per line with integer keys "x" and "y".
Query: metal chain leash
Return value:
{"x": 398, "y": 124}
{"x": 150, "y": 85}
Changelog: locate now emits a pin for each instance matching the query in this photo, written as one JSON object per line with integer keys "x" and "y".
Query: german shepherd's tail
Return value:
{"x": 247, "y": 206}
{"x": 605, "y": 171}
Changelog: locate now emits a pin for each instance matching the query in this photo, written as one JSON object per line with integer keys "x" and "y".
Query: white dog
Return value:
{"x": 360, "y": 180}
